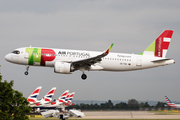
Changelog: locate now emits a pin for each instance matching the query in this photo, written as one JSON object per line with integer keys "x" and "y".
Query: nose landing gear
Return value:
{"x": 26, "y": 72}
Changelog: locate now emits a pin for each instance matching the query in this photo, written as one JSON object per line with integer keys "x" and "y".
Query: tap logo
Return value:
{"x": 162, "y": 43}
{"x": 40, "y": 56}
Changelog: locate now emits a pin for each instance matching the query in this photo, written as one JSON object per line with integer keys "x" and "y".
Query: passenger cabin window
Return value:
{"x": 16, "y": 52}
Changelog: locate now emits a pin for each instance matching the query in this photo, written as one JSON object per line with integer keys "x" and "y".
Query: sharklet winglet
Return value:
{"x": 108, "y": 50}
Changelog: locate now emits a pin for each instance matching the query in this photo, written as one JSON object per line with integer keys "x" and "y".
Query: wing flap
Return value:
{"x": 96, "y": 67}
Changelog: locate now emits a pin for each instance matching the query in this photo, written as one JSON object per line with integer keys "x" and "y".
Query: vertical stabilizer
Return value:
{"x": 32, "y": 99}
{"x": 48, "y": 97}
{"x": 169, "y": 102}
{"x": 62, "y": 98}
{"x": 160, "y": 46}
{"x": 71, "y": 97}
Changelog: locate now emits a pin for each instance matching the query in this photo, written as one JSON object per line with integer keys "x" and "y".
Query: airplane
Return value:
{"x": 32, "y": 99}
{"x": 171, "y": 104}
{"x": 46, "y": 99}
{"x": 61, "y": 101}
{"x": 66, "y": 61}
{"x": 69, "y": 101}
{"x": 71, "y": 97}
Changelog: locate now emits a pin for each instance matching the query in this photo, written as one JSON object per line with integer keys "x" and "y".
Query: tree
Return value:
{"x": 146, "y": 104}
{"x": 160, "y": 104}
{"x": 110, "y": 104}
{"x": 96, "y": 106}
{"x": 12, "y": 103}
{"x": 141, "y": 105}
{"x": 121, "y": 105}
{"x": 133, "y": 104}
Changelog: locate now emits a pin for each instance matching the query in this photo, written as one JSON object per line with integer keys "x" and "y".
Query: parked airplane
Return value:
{"x": 71, "y": 97}
{"x": 66, "y": 61}
{"x": 46, "y": 99}
{"x": 61, "y": 100}
{"x": 171, "y": 104}
{"x": 69, "y": 100}
{"x": 59, "y": 103}
{"x": 32, "y": 99}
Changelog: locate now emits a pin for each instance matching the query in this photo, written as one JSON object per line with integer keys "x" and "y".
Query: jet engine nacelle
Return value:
{"x": 61, "y": 67}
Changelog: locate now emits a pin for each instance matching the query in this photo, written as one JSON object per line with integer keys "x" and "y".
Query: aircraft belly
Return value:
{"x": 23, "y": 62}
{"x": 49, "y": 64}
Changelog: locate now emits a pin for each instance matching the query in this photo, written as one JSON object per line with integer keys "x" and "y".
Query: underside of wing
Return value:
{"x": 86, "y": 63}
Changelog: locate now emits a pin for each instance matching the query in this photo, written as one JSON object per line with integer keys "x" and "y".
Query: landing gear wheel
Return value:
{"x": 84, "y": 76}
{"x": 27, "y": 68}
{"x": 26, "y": 73}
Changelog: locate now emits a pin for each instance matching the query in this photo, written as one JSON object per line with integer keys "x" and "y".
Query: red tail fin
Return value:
{"x": 162, "y": 43}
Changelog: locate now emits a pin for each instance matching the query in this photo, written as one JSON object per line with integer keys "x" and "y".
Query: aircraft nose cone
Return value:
{"x": 7, "y": 57}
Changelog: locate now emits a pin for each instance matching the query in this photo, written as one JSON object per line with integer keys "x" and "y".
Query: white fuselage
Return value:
{"x": 111, "y": 62}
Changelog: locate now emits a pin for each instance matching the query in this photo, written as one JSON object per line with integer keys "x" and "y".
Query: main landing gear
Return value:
{"x": 26, "y": 72}
{"x": 84, "y": 76}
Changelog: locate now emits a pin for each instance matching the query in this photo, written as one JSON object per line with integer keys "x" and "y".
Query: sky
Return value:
{"x": 92, "y": 25}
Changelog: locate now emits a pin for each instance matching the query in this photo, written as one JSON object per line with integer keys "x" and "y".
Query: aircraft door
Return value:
{"x": 139, "y": 61}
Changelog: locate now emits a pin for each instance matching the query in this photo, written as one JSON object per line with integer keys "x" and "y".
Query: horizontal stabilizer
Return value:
{"x": 161, "y": 60}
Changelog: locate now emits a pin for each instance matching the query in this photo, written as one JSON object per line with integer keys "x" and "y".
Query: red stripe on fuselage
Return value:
{"x": 47, "y": 55}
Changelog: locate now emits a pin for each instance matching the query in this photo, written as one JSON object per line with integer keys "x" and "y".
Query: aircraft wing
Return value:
{"x": 86, "y": 63}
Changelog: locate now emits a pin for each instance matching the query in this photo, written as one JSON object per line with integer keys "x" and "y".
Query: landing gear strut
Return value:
{"x": 84, "y": 76}
{"x": 26, "y": 72}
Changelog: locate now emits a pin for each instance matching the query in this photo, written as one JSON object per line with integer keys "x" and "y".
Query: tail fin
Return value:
{"x": 62, "y": 98}
{"x": 33, "y": 97}
{"x": 169, "y": 102}
{"x": 48, "y": 97}
{"x": 71, "y": 97}
{"x": 67, "y": 97}
{"x": 160, "y": 46}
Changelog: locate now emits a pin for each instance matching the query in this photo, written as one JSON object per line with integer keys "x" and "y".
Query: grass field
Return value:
{"x": 95, "y": 119}
{"x": 166, "y": 112}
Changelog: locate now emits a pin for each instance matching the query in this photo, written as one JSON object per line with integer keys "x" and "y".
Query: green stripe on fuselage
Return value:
{"x": 34, "y": 55}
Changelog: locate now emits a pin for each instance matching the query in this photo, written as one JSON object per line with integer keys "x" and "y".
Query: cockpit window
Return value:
{"x": 16, "y": 52}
